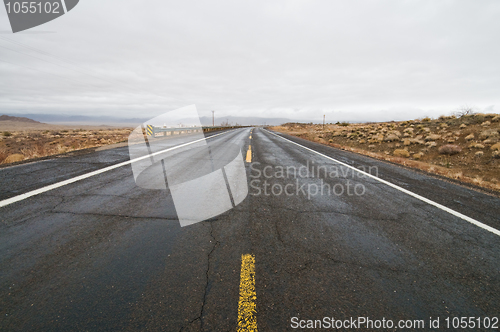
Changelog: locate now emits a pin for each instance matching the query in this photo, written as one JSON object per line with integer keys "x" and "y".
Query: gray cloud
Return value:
{"x": 298, "y": 59}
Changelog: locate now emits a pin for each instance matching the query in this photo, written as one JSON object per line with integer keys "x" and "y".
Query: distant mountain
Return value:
{"x": 17, "y": 119}
{"x": 82, "y": 119}
{"x": 244, "y": 121}
{"x": 115, "y": 121}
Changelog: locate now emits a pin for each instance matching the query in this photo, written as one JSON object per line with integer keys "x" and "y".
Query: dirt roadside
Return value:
{"x": 26, "y": 141}
{"x": 465, "y": 148}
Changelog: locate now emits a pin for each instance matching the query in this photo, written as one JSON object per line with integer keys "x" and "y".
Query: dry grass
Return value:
{"x": 450, "y": 149}
{"x": 464, "y": 148}
{"x": 41, "y": 143}
{"x": 3, "y": 154}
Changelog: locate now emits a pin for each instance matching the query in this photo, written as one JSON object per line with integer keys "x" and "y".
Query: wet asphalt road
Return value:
{"x": 102, "y": 254}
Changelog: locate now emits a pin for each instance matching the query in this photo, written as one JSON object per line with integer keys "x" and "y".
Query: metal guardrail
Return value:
{"x": 205, "y": 129}
{"x": 157, "y": 131}
{"x": 153, "y": 131}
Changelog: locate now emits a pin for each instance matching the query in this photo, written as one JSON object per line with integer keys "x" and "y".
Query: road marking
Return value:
{"x": 21, "y": 197}
{"x": 247, "y": 319}
{"x": 150, "y": 130}
{"x": 249, "y": 154}
{"x": 426, "y": 200}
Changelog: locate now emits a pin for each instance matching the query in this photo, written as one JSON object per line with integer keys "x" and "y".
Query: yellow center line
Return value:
{"x": 249, "y": 154}
{"x": 247, "y": 319}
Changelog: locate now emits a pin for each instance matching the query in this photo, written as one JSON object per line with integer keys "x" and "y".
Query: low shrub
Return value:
{"x": 13, "y": 158}
{"x": 3, "y": 155}
{"x": 418, "y": 155}
{"x": 401, "y": 153}
{"x": 450, "y": 149}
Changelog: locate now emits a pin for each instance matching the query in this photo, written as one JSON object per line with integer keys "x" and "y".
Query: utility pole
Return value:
{"x": 213, "y": 118}
{"x": 324, "y": 122}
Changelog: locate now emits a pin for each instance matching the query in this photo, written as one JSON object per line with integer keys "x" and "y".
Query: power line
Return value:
{"x": 36, "y": 69}
{"x": 56, "y": 64}
{"x": 41, "y": 52}
{"x": 84, "y": 72}
{"x": 59, "y": 65}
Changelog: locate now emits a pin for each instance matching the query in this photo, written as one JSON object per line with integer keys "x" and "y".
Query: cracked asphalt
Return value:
{"x": 102, "y": 254}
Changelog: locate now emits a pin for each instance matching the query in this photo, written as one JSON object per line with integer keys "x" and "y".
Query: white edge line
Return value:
{"x": 21, "y": 197}
{"x": 426, "y": 200}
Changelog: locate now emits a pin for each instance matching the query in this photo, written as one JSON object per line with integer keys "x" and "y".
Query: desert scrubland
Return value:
{"x": 24, "y": 140}
{"x": 464, "y": 148}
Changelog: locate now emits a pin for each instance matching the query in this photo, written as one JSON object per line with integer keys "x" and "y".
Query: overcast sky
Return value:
{"x": 350, "y": 60}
